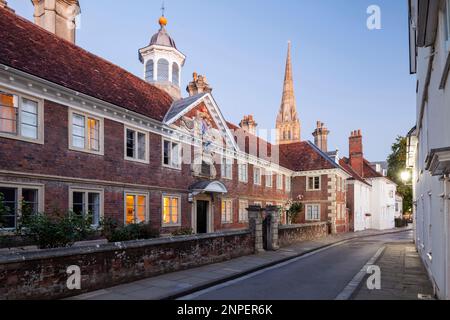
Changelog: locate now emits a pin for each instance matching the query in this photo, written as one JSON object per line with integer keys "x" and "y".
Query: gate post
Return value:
{"x": 274, "y": 213}
{"x": 256, "y": 227}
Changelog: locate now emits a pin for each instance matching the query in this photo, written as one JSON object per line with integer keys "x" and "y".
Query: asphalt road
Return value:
{"x": 321, "y": 276}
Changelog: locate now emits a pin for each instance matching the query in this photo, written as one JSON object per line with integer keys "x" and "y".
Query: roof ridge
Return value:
{"x": 75, "y": 46}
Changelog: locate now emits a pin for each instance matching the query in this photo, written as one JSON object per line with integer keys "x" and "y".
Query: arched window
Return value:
{"x": 175, "y": 74}
{"x": 163, "y": 70}
{"x": 149, "y": 71}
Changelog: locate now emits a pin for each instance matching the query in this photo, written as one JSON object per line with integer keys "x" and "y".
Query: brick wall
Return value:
{"x": 113, "y": 173}
{"x": 288, "y": 235}
{"x": 42, "y": 275}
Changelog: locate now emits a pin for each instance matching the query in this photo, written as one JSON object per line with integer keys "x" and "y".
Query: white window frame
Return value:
{"x": 241, "y": 176}
{"x": 170, "y": 165}
{"x": 146, "y": 159}
{"x": 171, "y": 224}
{"x": 279, "y": 181}
{"x": 288, "y": 183}
{"x": 20, "y": 186}
{"x": 257, "y": 175}
{"x": 86, "y": 192}
{"x": 258, "y": 203}
{"x": 40, "y": 118}
{"x": 314, "y": 183}
{"x": 86, "y": 116}
{"x": 312, "y": 206}
{"x": 136, "y": 194}
{"x": 269, "y": 179}
{"x": 227, "y": 163}
{"x": 225, "y": 215}
{"x": 243, "y": 213}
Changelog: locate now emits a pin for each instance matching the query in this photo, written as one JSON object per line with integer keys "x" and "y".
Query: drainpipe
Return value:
{"x": 445, "y": 181}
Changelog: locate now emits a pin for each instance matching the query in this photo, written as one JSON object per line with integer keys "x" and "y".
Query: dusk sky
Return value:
{"x": 345, "y": 75}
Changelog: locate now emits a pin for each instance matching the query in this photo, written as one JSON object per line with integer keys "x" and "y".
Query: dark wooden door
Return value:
{"x": 202, "y": 216}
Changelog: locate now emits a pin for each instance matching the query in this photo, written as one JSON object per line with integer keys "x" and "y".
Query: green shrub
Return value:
{"x": 183, "y": 232}
{"x": 3, "y": 210}
{"x": 55, "y": 231}
{"x": 115, "y": 232}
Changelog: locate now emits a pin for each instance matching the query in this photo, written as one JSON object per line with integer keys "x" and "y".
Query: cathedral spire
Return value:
{"x": 288, "y": 124}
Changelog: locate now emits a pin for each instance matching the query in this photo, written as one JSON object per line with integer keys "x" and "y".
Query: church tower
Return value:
{"x": 163, "y": 62}
{"x": 288, "y": 124}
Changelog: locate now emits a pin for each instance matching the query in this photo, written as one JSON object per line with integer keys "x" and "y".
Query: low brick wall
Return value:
{"x": 289, "y": 234}
{"x": 42, "y": 274}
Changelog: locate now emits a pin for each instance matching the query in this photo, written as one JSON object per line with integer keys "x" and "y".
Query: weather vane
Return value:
{"x": 163, "y": 8}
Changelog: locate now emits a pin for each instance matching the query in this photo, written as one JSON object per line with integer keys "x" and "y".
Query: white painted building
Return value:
{"x": 429, "y": 141}
{"x": 382, "y": 203}
{"x": 362, "y": 205}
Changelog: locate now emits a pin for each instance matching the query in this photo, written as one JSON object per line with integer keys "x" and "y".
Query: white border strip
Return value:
{"x": 355, "y": 282}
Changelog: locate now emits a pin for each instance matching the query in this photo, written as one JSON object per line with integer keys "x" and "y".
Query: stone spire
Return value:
{"x": 288, "y": 124}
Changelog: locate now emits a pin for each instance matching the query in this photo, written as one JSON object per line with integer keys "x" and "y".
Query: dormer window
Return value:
{"x": 175, "y": 74}
{"x": 149, "y": 67}
{"x": 163, "y": 70}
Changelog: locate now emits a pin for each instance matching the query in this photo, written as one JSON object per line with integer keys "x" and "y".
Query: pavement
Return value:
{"x": 403, "y": 276}
{"x": 183, "y": 283}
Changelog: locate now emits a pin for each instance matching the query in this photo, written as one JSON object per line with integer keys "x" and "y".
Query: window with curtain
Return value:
{"x": 163, "y": 70}
{"x": 171, "y": 210}
{"x": 136, "y": 145}
{"x": 136, "y": 208}
{"x": 17, "y": 202}
{"x": 85, "y": 132}
{"x": 175, "y": 74}
{"x": 312, "y": 212}
{"x": 227, "y": 211}
{"x": 88, "y": 205}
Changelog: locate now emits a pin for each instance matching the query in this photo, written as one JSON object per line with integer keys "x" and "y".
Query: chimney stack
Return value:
{"x": 356, "y": 155}
{"x": 249, "y": 124}
{"x": 321, "y": 136}
{"x": 57, "y": 16}
{"x": 198, "y": 85}
{"x": 4, "y": 4}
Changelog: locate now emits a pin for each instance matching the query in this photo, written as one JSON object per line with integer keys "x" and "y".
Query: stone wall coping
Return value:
{"x": 72, "y": 251}
{"x": 303, "y": 225}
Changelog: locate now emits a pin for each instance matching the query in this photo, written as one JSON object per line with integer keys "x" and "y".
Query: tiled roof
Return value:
{"x": 344, "y": 162}
{"x": 31, "y": 49}
{"x": 305, "y": 156}
{"x": 370, "y": 172}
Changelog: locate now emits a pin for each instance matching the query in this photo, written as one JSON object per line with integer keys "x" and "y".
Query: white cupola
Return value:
{"x": 163, "y": 62}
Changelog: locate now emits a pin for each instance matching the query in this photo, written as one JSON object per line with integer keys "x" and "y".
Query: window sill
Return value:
{"x": 171, "y": 225}
{"x": 97, "y": 153}
{"x": 137, "y": 160}
{"x": 170, "y": 167}
{"x": 20, "y": 138}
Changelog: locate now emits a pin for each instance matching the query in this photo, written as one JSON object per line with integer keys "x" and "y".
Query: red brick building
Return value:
{"x": 80, "y": 134}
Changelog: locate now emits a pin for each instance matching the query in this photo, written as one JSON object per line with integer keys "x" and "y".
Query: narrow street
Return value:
{"x": 322, "y": 275}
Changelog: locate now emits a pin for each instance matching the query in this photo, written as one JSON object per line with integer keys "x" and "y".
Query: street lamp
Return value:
{"x": 405, "y": 176}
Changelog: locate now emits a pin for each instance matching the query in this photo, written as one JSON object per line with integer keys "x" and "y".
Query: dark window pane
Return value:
{"x": 141, "y": 146}
{"x": 130, "y": 144}
{"x": 166, "y": 152}
{"x": 9, "y": 201}
{"x": 78, "y": 203}
{"x": 30, "y": 201}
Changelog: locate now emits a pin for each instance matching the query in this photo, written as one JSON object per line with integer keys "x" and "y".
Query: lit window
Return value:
{"x": 87, "y": 204}
{"x": 149, "y": 71}
{"x": 243, "y": 214}
{"x": 227, "y": 168}
{"x": 243, "y": 172}
{"x": 85, "y": 133}
{"x": 163, "y": 70}
{"x": 257, "y": 176}
{"x": 171, "y": 211}
{"x": 17, "y": 202}
{"x": 136, "y": 208}
{"x": 313, "y": 183}
{"x": 171, "y": 154}
{"x": 312, "y": 212}
{"x": 279, "y": 182}
{"x": 136, "y": 145}
{"x": 19, "y": 116}
{"x": 269, "y": 179}
{"x": 175, "y": 74}
{"x": 227, "y": 211}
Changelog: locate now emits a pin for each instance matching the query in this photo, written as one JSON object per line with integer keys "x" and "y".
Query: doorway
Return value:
{"x": 202, "y": 216}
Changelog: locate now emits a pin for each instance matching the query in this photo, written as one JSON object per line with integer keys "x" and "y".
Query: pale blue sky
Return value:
{"x": 345, "y": 75}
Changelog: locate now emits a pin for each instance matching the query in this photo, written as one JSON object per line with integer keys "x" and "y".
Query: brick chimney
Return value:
{"x": 198, "y": 85}
{"x": 57, "y": 16}
{"x": 249, "y": 124}
{"x": 4, "y": 4}
{"x": 321, "y": 136}
{"x": 356, "y": 155}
